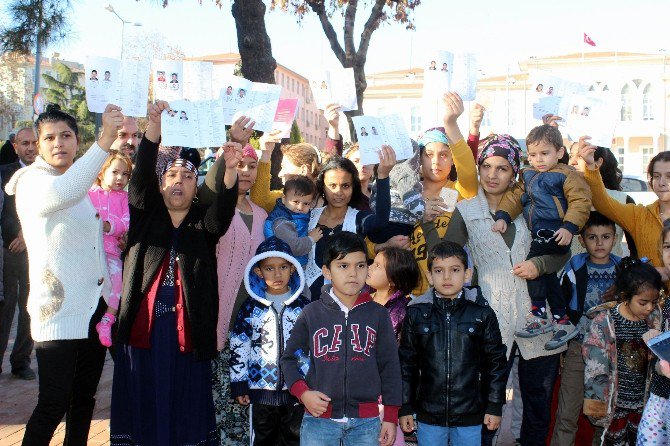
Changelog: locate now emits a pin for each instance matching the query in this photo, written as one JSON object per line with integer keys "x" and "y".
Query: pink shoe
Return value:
{"x": 104, "y": 329}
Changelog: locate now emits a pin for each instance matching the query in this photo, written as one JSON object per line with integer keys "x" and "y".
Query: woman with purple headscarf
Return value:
{"x": 501, "y": 271}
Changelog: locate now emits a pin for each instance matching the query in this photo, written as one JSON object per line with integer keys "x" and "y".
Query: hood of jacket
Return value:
{"x": 256, "y": 286}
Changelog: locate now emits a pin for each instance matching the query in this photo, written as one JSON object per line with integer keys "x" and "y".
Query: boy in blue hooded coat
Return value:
{"x": 275, "y": 282}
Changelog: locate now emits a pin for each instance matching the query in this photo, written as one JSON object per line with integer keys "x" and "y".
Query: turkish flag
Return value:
{"x": 588, "y": 41}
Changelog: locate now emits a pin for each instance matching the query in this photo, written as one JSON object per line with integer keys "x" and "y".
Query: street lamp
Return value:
{"x": 111, "y": 9}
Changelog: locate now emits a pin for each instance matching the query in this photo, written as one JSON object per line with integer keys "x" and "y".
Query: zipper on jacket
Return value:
{"x": 280, "y": 350}
{"x": 346, "y": 363}
{"x": 448, "y": 361}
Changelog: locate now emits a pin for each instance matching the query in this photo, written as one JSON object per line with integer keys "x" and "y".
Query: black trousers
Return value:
{"x": 547, "y": 286}
{"x": 277, "y": 425}
{"x": 69, "y": 373}
{"x": 15, "y": 280}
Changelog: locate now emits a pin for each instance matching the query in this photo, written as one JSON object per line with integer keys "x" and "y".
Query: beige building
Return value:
{"x": 17, "y": 84}
{"x": 642, "y": 80}
{"x": 311, "y": 122}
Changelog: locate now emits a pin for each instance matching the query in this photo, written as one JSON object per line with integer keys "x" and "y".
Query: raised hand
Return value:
{"x": 112, "y": 120}
{"x": 476, "y": 117}
{"x": 267, "y": 144}
{"x": 587, "y": 151}
{"x": 153, "y": 132}
{"x": 232, "y": 155}
{"x": 241, "y": 130}
{"x": 453, "y": 108}
{"x": 332, "y": 115}
{"x": 387, "y": 160}
{"x": 551, "y": 120}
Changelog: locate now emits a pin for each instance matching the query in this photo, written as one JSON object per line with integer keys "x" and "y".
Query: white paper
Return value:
{"x": 594, "y": 115}
{"x": 193, "y": 124}
{"x": 198, "y": 80}
{"x": 553, "y": 94}
{"x": 111, "y": 81}
{"x": 373, "y": 132}
{"x": 335, "y": 87}
{"x": 254, "y": 100}
{"x": 168, "y": 80}
{"x": 437, "y": 74}
{"x": 464, "y": 78}
{"x": 103, "y": 82}
{"x": 134, "y": 92}
{"x": 450, "y": 197}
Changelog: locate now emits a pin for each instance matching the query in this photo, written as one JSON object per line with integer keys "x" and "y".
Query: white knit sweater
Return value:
{"x": 63, "y": 235}
{"x": 507, "y": 294}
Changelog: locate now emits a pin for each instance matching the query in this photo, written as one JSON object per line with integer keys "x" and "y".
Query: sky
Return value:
{"x": 501, "y": 33}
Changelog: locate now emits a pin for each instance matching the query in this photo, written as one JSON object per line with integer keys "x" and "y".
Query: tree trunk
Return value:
{"x": 253, "y": 41}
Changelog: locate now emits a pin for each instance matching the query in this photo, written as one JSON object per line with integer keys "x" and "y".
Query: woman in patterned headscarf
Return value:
{"x": 494, "y": 255}
{"x": 162, "y": 392}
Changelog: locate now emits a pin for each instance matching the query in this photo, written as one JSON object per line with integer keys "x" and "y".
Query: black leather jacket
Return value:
{"x": 452, "y": 360}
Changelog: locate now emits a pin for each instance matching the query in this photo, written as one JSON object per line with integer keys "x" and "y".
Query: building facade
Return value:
{"x": 642, "y": 80}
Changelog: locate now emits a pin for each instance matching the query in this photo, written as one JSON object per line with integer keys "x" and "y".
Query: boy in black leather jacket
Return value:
{"x": 450, "y": 345}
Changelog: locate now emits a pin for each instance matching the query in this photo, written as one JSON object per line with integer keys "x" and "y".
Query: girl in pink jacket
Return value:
{"x": 111, "y": 201}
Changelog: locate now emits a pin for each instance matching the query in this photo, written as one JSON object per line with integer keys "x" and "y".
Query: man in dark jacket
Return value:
{"x": 450, "y": 348}
{"x": 7, "y": 153}
{"x": 15, "y": 274}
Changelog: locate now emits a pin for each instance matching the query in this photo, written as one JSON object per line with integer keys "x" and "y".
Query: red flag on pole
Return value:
{"x": 588, "y": 41}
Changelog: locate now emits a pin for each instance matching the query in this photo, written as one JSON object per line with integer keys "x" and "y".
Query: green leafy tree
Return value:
{"x": 30, "y": 21}
{"x": 296, "y": 136}
{"x": 65, "y": 90}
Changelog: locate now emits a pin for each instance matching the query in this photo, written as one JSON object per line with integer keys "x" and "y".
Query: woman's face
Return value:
{"x": 436, "y": 162}
{"x": 364, "y": 172}
{"x": 495, "y": 175}
{"x": 57, "y": 144}
{"x": 288, "y": 170}
{"x": 666, "y": 250}
{"x": 247, "y": 169}
{"x": 660, "y": 180}
{"x": 178, "y": 188}
{"x": 338, "y": 187}
{"x": 643, "y": 303}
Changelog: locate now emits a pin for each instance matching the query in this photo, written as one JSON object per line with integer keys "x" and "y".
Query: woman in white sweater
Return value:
{"x": 68, "y": 273}
{"x": 501, "y": 267}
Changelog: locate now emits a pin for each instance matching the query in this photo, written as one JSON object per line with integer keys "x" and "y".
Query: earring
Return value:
{"x": 196, "y": 199}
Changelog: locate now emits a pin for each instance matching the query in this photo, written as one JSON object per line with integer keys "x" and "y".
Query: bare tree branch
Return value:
{"x": 370, "y": 26}
{"x": 320, "y": 10}
{"x": 349, "y": 22}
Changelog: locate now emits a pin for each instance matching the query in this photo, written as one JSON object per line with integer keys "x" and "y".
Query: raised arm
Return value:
{"x": 220, "y": 214}
{"x": 66, "y": 190}
{"x": 381, "y": 216}
{"x": 467, "y": 184}
{"x": 260, "y": 193}
{"x": 143, "y": 189}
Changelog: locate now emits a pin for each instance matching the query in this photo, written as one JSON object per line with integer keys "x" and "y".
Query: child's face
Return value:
{"x": 116, "y": 176}
{"x": 276, "y": 272}
{"x": 377, "y": 277}
{"x": 642, "y": 304}
{"x": 666, "y": 250}
{"x": 598, "y": 241}
{"x": 543, "y": 156}
{"x": 347, "y": 274}
{"x": 436, "y": 162}
{"x": 448, "y": 276}
{"x": 298, "y": 203}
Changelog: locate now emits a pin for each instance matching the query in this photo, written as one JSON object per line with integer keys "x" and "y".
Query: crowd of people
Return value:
{"x": 357, "y": 305}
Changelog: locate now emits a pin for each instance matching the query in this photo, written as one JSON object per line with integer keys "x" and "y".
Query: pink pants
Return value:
{"x": 115, "y": 267}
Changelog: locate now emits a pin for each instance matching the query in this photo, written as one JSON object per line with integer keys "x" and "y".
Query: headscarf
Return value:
{"x": 503, "y": 146}
{"x": 249, "y": 152}
{"x": 181, "y": 162}
{"x": 436, "y": 134}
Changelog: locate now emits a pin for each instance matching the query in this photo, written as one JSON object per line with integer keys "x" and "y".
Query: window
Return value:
{"x": 647, "y": 104}
{"x": 647, "y": 155}
{"x": 626, "y": 103}
{"x": 415, "y": 119}
{"x": 620, "y": 155}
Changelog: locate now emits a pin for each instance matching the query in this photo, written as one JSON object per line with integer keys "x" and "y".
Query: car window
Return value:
{"x": 633, "y": 185}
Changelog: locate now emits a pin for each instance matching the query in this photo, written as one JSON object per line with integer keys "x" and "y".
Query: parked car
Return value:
{"x": 638, "y": 189}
